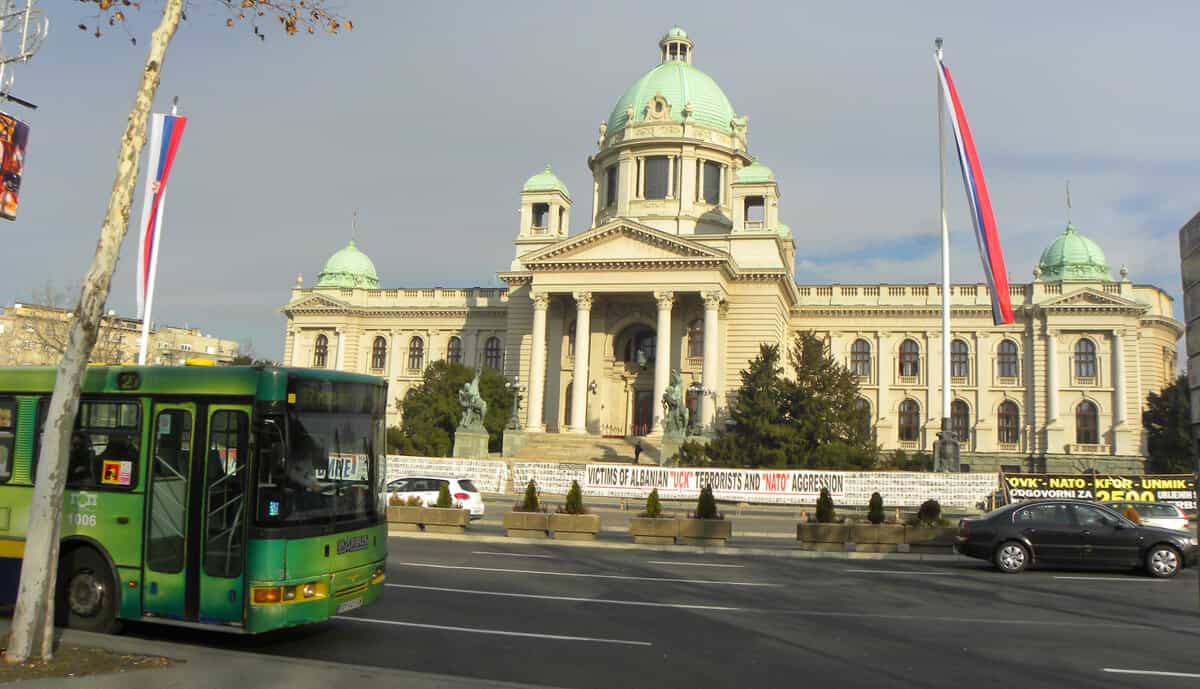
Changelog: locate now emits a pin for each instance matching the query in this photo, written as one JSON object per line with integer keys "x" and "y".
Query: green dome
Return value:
{"x": 675, "y": 32}
{"x": 681, "y": 84}
{"x": 755, "y": 172}
{"x": 545, "y": 181}
{"x": 784, "y": 231}
{"x": 1073, "y": 257}
{"x": 349, "y": 268}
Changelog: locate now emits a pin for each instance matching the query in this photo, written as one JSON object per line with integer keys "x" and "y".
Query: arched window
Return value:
{"x": 1087, "y": 423}
{"x": 571, "y": 340}
{"x": 860, "y": 359}
{"x": 696, "y": 338}
{"x": 320, "y": 351}
{"x": 960, "y": 359}
{"x": 416, "y": 353}
{"x": 454, "y": 350}
{"x": 379, "y": 353}
{"x": 1008, "y": 361}
{"x": 1085, "y": 359}
{"x": 643, "y": 340}
{"x": 910, "y": 359}
{"x": 1009, "y": 422}
{"x": 960, "y": 420}
{"x": 492, "y": 354}
{"x": 862, "y": 410}
{"x": 910, "y": 420}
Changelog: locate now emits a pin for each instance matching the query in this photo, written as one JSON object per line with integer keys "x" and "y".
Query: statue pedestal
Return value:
{"x": 669, "y": 448}
{"x": 470, "y": 444}
{"x": 514, "y": 440}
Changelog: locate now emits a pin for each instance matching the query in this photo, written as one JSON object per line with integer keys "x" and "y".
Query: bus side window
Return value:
{"x": 225, "y": 488}
{"x": 8, "y": 432}
{"x": 105, "y": 444}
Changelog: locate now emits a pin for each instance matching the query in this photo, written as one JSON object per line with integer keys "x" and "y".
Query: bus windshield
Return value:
{"x": 326, "y": 470}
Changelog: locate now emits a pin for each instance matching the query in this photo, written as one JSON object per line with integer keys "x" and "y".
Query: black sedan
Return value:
{"x": 1073, "y": 533}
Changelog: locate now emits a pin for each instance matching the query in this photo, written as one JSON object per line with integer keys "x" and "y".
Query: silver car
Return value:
{"x": 1161, "y": 514}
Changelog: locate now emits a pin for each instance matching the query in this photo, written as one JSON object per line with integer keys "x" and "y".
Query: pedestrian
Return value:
{"x": 637, "y": 451}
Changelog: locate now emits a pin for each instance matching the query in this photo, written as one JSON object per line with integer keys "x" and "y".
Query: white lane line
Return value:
{"x": 690, "y": 564}
{"x": 903, "y": 571}
{"x": 485, "y": 552}
{"x": 495, "y": 632}
{"x": 1156, "y": 673}
{"x": 1147, "y": 579}
{"x": 574, "y": 599}
{"x": 623, "y": 577}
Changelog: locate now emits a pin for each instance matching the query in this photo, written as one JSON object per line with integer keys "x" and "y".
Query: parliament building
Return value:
{"x": 685, "y": 263}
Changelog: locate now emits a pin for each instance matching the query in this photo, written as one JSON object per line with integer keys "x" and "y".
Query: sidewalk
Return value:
{"x": 198, "y": 667}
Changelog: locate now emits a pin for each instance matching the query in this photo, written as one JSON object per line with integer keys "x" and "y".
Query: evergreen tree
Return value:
{"x": 825, "y": 511}
{"x": 443, "y": 498}
{"x": 875, "y": 509}
{"x": 706, "y": 505}
{"x": 574, "y": 504}
{"x": 653, "y": 505}
{"x": 820, "y": 401}
{"x": 430, "y": 411}
{"x": 759, "y": 435}
{"x": 1167, "y": 421}
{"x": 529, "y": 503}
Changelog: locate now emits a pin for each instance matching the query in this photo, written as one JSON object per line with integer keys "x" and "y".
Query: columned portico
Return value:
{"x": 662, "y": 354}
{"x": 579, "y": 386}
{"x": 537, "y": 364}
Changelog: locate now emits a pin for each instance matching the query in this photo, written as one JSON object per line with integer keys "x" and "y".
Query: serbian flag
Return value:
{"x": 165, "y": 134}
{"x": 977, "y": 198}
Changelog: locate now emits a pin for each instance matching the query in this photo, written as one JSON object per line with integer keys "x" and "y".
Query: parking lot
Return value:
{"x": 584, "y": 617}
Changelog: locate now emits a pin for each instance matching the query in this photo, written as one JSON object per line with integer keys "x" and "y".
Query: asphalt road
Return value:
{"x": 606, "y": 619}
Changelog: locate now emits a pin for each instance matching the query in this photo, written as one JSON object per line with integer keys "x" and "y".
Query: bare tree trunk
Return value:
{"x": 33, "y": 619}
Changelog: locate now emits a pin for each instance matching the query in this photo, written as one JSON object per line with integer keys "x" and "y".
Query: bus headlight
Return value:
{"x": 309, "y": 590}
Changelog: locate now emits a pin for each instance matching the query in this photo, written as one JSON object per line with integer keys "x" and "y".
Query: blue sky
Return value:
{"x": 428, "y": 118}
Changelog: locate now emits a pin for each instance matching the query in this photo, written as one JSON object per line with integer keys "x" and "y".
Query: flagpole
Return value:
{"x": 153, "y": 273}
{"x": 945, "y": 426}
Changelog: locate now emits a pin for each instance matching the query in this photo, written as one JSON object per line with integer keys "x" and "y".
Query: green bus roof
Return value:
{"x": 261, "y": 382}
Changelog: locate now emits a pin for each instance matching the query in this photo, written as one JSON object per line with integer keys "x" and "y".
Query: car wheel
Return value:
{"x": 1162, "y": 561}
{"x": 87, "y": 593}
{"x": 1011, "y": 557}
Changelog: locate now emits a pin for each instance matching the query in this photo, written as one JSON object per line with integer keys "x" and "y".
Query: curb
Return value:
{"x": 699, "y": 550}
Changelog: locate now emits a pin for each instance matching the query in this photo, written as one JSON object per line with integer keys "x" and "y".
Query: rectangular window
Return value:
{"x": 105, "y": 446}
{"x": 8, "y": 434}
{"x": 610, "y": 186}
{"x": 755, "y": 211}
{"x": 170, "y": 471}
{"x": 712, "y": 182}
{"x": 541, "y": 213}
{"x": 656, "y": 182}
{"x": 185, "y": 348}
{"x": 224, "y": 493}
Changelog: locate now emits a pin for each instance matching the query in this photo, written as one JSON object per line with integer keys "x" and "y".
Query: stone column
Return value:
{"x": 393, "y": 366}
{"x": 662, "y": 354}
{"x": 1051, "y": 376}
{"x": 340, "y": 352}
{"x": 537, "y": 364}
{"x": 883, "y": 371}
{"x": 708, "y": 401}
{"x": 579, "y": 383}
{"x": 1118, "y": 357}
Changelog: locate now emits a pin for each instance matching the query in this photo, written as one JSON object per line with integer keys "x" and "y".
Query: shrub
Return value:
{"x": 413, "y": 501}
{"x": 706, "y": 506}
{"x": 444, "y": 499}
{"x": 1132, "y": 515}
{"x": 529, "y": 503}
{"x": 394, "y": 500}
{"x": 825, "y": 511}
{"x": 653, "y": 506}
{"x": 574, "y": 503}
{"x": 929, "y": 514}
{"x": 875, "y": 509}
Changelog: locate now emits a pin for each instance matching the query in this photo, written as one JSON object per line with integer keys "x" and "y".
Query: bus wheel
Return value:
{"x": 87, "y": 594}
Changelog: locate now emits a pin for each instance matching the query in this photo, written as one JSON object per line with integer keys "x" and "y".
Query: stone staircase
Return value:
{"x": 581, "y": 449}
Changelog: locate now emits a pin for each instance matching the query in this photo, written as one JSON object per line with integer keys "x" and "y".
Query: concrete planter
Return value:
{"x": 823, "y": 537}
{"x": 432, "y": 519}
{"x": 654, "y": 531}
{"x": 877, "y": 538}
{"x": 527, "y": 524}
{"x": 705, "y": 531}
{"x": 403, "y": 518}
{"x": 930, "y": 539}
{"x": 575, "y": 527}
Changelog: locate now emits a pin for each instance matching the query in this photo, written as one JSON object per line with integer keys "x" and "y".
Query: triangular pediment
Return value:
{"x": 623, "y": 241}
{"x": 316, "y": 302}
{"x": 1091, "y": 297}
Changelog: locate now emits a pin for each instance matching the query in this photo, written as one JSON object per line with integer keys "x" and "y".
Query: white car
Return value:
{"x": 462, "y": 491}
{"x": 1161, "y": 514}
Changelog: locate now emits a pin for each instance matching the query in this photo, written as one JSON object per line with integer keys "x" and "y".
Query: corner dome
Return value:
{"x": 349, "y": 267}
{"x": 682, "y": 85}
{"x": 545, "y": 181}
{"x": 1071, "y": 257}
{"x": 755, "y": 172}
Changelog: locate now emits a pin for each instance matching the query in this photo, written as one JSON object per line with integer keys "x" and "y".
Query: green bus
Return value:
{"x": 239, "y": 498}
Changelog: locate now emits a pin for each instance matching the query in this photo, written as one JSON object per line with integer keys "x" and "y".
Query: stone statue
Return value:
{"x": 675, "y": 412}
{"x": 514, "y": 423}
{"x": 640, "y": 357}
{"x": 603, "y": 132}
{"x": 474, "y": 408}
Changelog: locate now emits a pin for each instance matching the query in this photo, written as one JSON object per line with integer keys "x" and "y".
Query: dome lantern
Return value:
{"x": 676, "y": 46}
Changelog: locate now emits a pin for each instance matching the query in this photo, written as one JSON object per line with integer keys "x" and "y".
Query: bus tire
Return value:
{"x": 87, "y": 592}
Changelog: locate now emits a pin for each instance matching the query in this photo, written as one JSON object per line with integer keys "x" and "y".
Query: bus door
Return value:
{"x": 225, "y": 477}
{"x": 164, "y": 591}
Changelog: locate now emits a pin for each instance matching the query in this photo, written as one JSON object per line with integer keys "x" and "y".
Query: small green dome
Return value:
{"x": 1073, "y": 257}
{"x": 545, "y": 181}
{"x": 675, "y": 32}
{"x": 349, "y": 268}
{"x": 784, "y": 231}
{"x": 755, "y": 172}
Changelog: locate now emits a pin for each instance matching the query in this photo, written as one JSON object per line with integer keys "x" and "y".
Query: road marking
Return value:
{"x": 1156, "y": 673}
{"x": 903, "y": 571}
{"x": 574, "y": 599}
{"x": 690, "y": 564}
{"x": 485, "y": 552}
{"x": 495, "y": 632}
{"x": 623, "y": 577}
{"x": 1153, "y": 581}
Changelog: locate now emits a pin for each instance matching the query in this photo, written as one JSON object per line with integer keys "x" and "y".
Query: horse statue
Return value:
{"x": 675, "y": 412}
{"x": 474, "y": 407}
